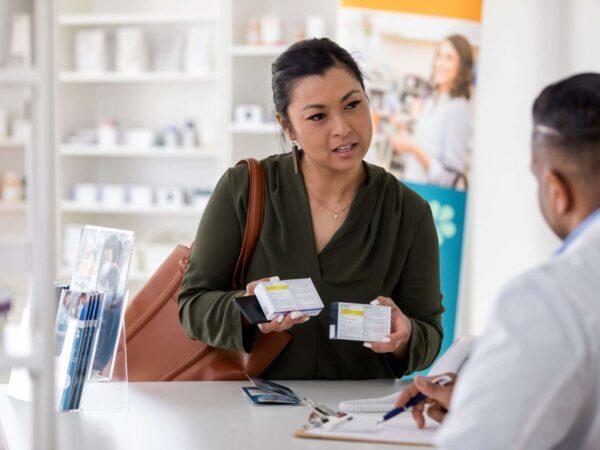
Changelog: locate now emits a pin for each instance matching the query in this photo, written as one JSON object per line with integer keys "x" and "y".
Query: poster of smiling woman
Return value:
{"x": 420, "y": 58}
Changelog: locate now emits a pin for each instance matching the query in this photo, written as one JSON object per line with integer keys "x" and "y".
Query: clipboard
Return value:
{"x": 400, "y": 432}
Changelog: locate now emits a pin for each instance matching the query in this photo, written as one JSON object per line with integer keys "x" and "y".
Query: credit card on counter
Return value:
{"x": 258, "y": 396}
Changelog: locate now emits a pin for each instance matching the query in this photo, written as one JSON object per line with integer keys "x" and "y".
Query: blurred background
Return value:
{"x": 153, "y": 100}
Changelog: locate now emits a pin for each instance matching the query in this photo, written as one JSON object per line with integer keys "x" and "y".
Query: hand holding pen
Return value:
{"x": 435, "y": 392}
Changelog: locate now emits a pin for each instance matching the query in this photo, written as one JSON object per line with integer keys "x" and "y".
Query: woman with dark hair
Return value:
{"x": 349, "y": 226}
{"x": 437, "y": 150}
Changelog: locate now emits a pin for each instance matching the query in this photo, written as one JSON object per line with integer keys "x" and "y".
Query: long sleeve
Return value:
{"x": 526, "y": 383}
{"x": 454, "y": 140}
{"x": 206, "y": 307}
{"x": 419, "y": 297}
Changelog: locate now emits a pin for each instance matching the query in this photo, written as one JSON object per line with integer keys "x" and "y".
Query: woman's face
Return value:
{"x": 445, "y": 66}
{"x": 330, "y": 118}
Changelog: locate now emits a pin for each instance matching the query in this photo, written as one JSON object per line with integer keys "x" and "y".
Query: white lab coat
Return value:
{"x": 533, "y": 381}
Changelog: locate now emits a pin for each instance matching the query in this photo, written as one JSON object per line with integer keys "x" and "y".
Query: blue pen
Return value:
{"x": 442, "y": 380}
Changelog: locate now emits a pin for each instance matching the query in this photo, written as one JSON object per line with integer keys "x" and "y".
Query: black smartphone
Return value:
{"x": 251, "y": 309}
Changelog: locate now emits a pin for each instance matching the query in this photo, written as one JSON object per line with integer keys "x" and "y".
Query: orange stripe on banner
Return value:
{"x": 458, "y": 9}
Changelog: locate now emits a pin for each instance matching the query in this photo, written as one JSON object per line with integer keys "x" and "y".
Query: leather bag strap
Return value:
{"x": 254, "y": 220}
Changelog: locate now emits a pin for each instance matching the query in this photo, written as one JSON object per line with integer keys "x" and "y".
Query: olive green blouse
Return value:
{"x": 386, "y": 246}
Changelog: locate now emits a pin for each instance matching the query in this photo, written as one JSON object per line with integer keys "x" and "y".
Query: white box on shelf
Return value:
{"x": 139, "y": 138}
{"x": 108, "y": 133}
{"x": 91, "y": 50}
{"x": 85, "y": 193}
{"x": 141, "y": 195}
{"x": 131, "y": 55}
{"x": 270, "y": 29}
{"x": 167, "y": 49}
{"x": 198, "y": 50}
{"x": 112, "y": 194}
{"x": 249, "y": 114}
{"x": 169, "y": 197}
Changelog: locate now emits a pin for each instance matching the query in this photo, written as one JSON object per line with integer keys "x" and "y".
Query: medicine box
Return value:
{"x": 357, "y": 322}
{"x": 282, "y": 297}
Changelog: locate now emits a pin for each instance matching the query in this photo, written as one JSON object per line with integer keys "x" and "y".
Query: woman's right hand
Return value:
{"x": 281, "y": 322}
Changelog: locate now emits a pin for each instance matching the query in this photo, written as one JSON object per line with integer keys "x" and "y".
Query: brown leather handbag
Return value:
{"x": 158, "y": 349}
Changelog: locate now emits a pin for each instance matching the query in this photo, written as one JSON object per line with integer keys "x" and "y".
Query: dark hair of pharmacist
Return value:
{"x": 566, "y": 117}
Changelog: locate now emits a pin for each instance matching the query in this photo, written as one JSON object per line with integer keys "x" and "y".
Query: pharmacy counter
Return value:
{"x": 193, "y": 415}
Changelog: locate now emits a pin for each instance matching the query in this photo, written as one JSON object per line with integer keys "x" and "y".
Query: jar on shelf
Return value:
{"x": 12, "y": 187}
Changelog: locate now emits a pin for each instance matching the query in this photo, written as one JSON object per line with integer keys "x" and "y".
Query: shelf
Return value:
{"x": 264, "y": 128}
{"x": 8, "y": 144}
{"x": 82, "y": 20}
{"x": 84, "y": 150}
{"x": 75, "y": 207}
{"x": 17, "y": 76}
{"x": 12, "y": 207}
{"x": 142, "y": 77}
{"x": 258, "y": 50}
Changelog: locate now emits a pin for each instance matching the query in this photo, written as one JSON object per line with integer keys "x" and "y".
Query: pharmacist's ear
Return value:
{"x": 285, "y": 126}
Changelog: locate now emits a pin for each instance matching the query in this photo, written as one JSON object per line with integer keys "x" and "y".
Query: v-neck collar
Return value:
{"x": 348, "y": 220}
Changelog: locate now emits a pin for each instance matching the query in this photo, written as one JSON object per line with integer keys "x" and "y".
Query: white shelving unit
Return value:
{"x": 33, "y": 88}
{"x": 74, "y": 207}
{"x": 123, "y": 151}
{"x": 163, "y": 18}
{"x": 145, "y": 77}
{"x": 149, "y": 99}
{"x": 250, "y": 70}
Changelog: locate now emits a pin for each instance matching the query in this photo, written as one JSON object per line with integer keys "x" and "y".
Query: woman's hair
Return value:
{"x": 566, "y": 117}
{"x": 304, "y": 59}
{"x": 464, "y": 77}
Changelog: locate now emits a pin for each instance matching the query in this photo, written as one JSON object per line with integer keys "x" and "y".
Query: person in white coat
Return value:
{"x": 533, "y": 380}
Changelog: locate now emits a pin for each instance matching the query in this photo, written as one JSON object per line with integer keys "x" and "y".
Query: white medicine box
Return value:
{"x": 282, "y": 297}
{"x": 358, "y": 322}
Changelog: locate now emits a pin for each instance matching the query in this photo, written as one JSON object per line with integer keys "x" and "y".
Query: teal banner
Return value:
{"x": 448, "y": 208}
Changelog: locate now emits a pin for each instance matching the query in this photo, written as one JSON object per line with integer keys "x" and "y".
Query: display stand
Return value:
{"x": 106, "y": 382}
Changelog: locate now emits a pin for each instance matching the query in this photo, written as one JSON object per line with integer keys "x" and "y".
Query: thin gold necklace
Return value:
{"x": 336, "y": 214}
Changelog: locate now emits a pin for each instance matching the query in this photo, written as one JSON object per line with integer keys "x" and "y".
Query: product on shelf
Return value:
{"x": 12, "y": 189}
{"x": 91, "y": 50}
{"x": 131, "y": 54}
{"x": 197, "y": 56}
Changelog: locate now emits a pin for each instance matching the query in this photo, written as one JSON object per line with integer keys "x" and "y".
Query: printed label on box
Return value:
{"x": 357, "y": 322}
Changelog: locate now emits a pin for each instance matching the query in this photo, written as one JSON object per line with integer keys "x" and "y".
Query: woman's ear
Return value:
{"x": 285, "y": 126}
{"x": 560, "y": 191}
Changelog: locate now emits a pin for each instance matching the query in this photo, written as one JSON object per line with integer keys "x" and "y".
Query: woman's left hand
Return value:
{"x": 401, "y": 330}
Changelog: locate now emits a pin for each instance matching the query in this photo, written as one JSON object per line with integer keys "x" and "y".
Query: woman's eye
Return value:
{"x": 316, "y": 117}
{"x": 353, "y": 105}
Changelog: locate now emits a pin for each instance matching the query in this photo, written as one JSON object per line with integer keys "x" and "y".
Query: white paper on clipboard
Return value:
{"x": 399, "y": 430}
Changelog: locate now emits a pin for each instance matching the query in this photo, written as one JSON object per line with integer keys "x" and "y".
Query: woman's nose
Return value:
{"x": 341, "y": 126}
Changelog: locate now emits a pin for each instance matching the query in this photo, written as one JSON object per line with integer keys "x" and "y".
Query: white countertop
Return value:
{"x": 193, "y": 415}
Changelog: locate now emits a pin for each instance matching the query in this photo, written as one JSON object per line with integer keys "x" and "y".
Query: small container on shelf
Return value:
{"x": 86, "y": 193}
{"x": 108, "y": 133}
{"x": 12, "y": 189}
{"x": 112, "y": 195}
{"x": 189, "y": 135}
{"x": 141, "y": 195}
{"x": 91, "y": 50}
